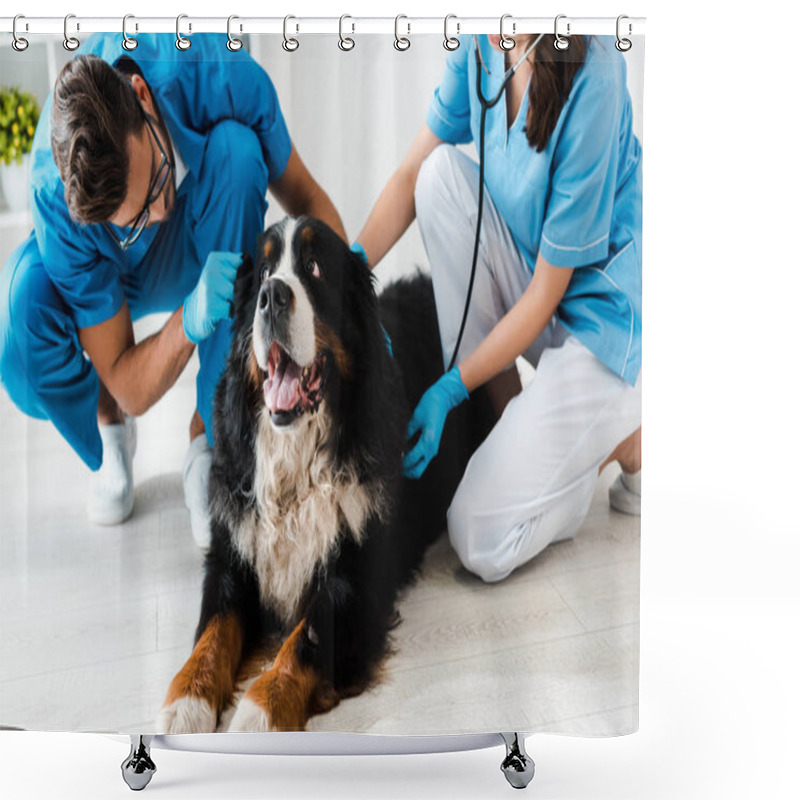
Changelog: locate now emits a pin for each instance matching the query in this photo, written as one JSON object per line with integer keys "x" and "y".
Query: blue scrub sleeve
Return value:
{"x": 87, "y": 281}
{"x": 449, "y": 112}
{"x": 577, "y": 220}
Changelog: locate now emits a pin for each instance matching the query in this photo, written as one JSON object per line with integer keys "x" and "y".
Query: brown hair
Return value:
{"x": 94, "y": 113}
{"x": 550, "y": 85}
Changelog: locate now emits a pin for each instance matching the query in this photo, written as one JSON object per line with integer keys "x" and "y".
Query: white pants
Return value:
{"x": 531, "y": 482}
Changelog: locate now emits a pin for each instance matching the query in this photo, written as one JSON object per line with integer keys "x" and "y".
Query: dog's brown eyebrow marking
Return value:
{"x": 268, "y": 245}
{"x": 307, "y": 234}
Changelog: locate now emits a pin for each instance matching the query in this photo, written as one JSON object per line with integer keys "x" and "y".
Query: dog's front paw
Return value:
{"x": 187, "y": 715}
{"x": 249, "y": 718}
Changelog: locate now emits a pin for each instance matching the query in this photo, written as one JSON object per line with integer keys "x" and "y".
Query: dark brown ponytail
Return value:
{"x": 551, "y": 82}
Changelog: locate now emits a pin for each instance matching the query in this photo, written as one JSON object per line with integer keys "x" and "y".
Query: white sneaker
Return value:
{"x": 110, "y": 498}
{"x": 625, "y": 494}
{"x": 196, "y": 469}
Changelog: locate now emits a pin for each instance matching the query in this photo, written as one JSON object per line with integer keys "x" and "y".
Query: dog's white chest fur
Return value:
{"x": 302, "y": 507}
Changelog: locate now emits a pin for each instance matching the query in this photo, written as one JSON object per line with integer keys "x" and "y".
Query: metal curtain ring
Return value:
{"x": 561, "y": 42}
{"x": 70, "y": 42}
{"x": 506, "y": 42}
{"x": 128, "y": 42}
{"x": 401, "y": 43}
{"x": 451, "y": 42}
{"x": 234, "y": 45}
{"x": 290, "y": 44}
{"x": 18, "y": 43}
{"x": 623, "y": 45}
{"x": 346, "y": 43}
{"x": 181, "y": 42}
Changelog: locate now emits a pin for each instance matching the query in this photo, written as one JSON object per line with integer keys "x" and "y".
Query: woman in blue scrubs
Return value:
{"x": 558, "y": 281}
{"x": 150, "y": 170}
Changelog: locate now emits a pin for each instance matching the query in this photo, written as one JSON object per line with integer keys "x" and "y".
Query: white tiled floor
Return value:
{"x": 95, "y": 621}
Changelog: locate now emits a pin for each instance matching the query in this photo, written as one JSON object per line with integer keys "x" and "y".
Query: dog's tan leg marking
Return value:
{"x": 286, "y": 696}
{"x": 205, "y": 684}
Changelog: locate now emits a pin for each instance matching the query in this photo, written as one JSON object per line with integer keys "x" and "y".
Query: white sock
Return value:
{"x": 111, "y": 493}
{"x": 625, "y": 494}
{"x": 196, "y": 470}
{"x": 633, "y": 481}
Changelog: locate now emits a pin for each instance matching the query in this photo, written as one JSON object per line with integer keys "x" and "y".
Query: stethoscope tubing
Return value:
{"x": 509, "y": 73}
{"x": 485, "y": 106}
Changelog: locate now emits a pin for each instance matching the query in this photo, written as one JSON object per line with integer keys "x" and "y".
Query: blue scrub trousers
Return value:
{"x": 42, "y": 364}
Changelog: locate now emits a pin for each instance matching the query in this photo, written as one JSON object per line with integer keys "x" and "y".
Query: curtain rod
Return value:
{"x": 299, "y": 25}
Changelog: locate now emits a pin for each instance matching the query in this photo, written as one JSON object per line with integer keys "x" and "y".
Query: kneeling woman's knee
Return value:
{"x": 474, "y": 542}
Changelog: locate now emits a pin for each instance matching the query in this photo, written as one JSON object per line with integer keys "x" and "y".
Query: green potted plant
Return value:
{"x": 19, "y": 114}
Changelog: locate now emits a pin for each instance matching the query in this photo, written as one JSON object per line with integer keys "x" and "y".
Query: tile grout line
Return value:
{"x": 105, "y": 662}
{"x": 585, "y": 716}
{"x": 542, "y": 643}
{"x": 569, "y": 607}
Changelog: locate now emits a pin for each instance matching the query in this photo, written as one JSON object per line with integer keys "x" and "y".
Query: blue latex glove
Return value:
{"x": 359, "y": 251}
{"x": 210, "y": 301}
{"x": 429, "y": 417}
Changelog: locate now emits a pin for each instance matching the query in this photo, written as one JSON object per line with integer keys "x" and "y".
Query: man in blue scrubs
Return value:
{"x": 149, "y": 176}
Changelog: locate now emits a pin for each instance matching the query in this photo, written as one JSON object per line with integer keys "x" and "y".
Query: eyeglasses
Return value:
{"x": 156, "y": 187}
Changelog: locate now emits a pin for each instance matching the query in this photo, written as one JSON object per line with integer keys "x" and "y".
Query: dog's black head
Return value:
{"x": 307, "y": 335}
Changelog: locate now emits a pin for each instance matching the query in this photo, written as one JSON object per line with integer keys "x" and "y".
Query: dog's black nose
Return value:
{"x": 274, "y": 297}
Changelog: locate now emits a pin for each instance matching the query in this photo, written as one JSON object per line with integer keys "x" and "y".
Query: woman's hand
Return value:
{"x": 510, "y": 337}
{"x": 429, "y": 418}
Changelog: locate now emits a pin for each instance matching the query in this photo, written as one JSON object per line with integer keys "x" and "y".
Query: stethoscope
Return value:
{"x": 486, "y": 105}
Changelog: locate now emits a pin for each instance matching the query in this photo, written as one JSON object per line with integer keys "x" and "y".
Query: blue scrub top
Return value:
{"x": 195, "y": 89}
{"x": 578, "y": 202}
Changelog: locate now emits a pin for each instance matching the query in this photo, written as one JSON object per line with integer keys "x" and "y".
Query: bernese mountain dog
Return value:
{"x": 314, "y": 528}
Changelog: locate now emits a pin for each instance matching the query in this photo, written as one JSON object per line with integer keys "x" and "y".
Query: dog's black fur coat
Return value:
{"x": 350, "y": 607}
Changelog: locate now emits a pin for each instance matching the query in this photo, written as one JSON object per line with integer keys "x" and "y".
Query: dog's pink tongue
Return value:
{"x": 282, "y": 391}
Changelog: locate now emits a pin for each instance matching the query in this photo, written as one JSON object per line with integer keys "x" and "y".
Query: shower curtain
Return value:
{"x": 98, "y": 620}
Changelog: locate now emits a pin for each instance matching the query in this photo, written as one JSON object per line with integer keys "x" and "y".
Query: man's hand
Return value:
{"x": 210, "y": 301}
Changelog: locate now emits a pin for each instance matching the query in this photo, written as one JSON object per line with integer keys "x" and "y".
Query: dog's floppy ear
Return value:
{"x": 243, "y": 287}
{"x": 244, "y": 292}
{"x": 363, "y": 304}
{"x": 232, "y": 405}
{"x": 369, "y": 429}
